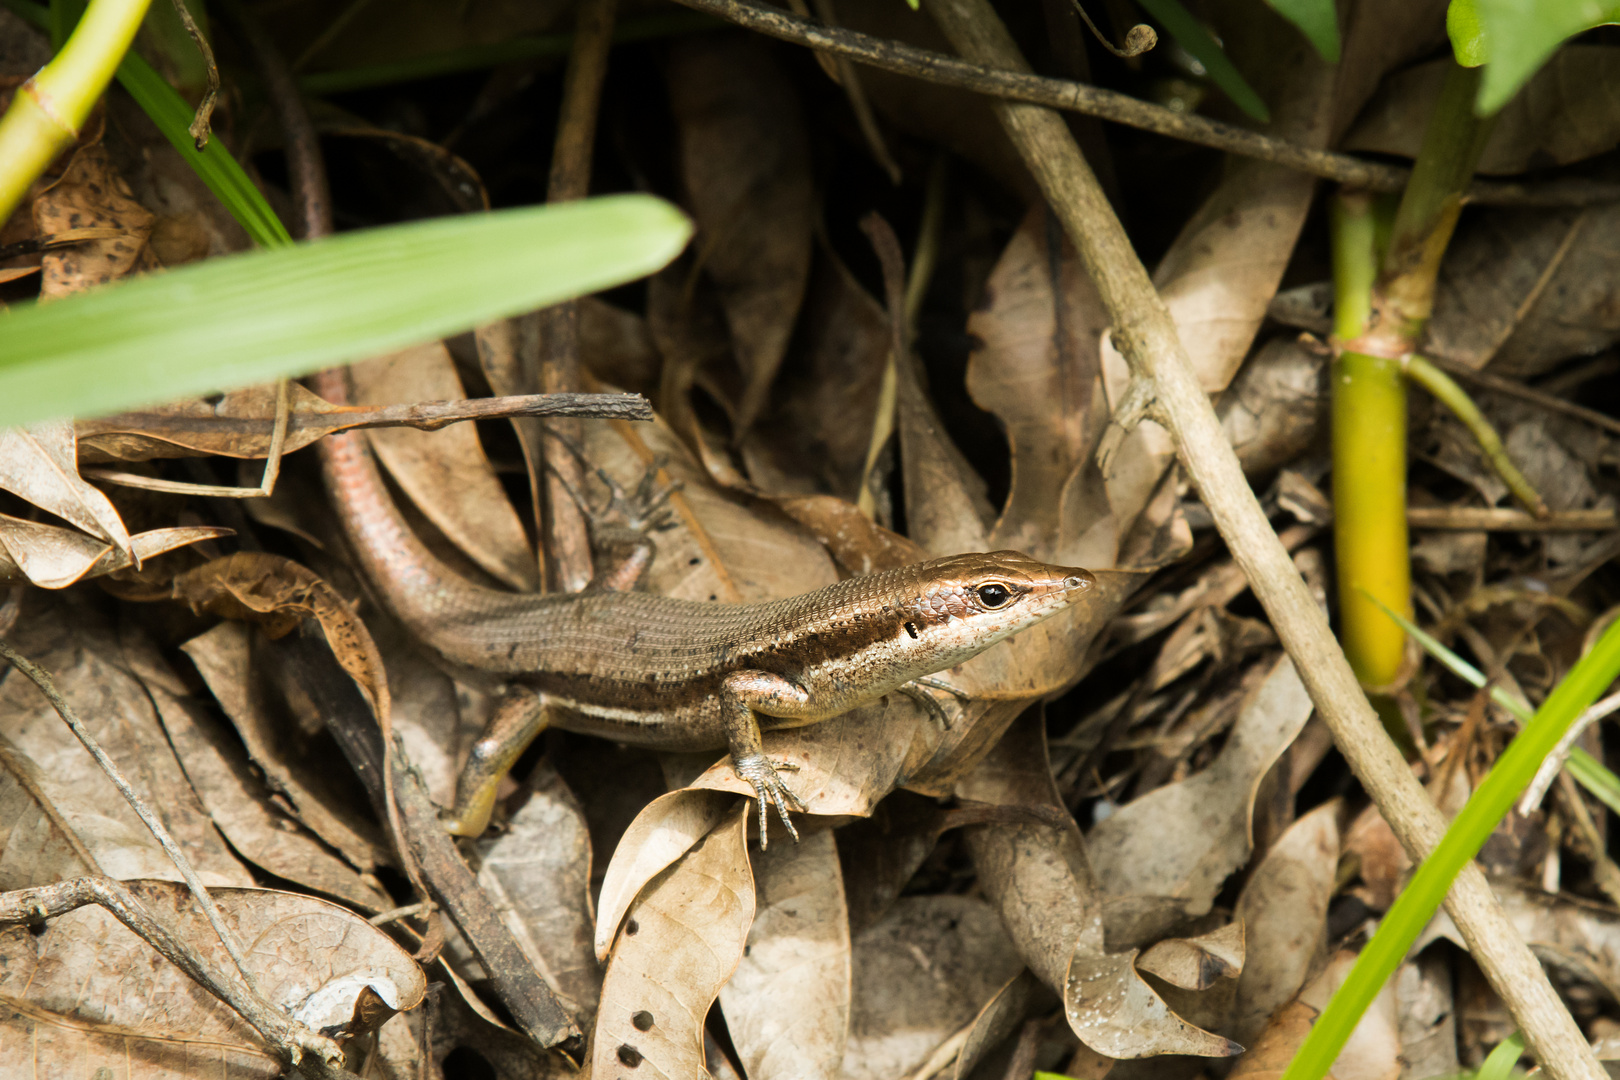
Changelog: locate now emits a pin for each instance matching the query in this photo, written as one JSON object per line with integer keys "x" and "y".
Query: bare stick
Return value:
{"x": 289, "y": 1039}
{"x": 1506, "y": 519}
{"x": 1019, "y": 84}
{"x": 205, "y": 107}
{"x": 1145, "y": 334}
{"x": 47, "y": 686}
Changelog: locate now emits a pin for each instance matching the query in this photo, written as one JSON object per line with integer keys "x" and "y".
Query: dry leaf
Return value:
{"x": 70, "y": 639}
{"x": 1373, "y": 1051}
{"x": 1286, "y": 902}
{"x": 87, "y": 990}
{"x": 237, "y": 423}
{"x": 1277, "y": 1044}
{"x": 240, "y": 804}
{"x": 445, "y": 472}
{"x": 787, "y": 1007}
{"x": 1428, "y": 1015}
{"x": 1195, "y": 963}
{"x": 1183, "y": 839}
{"x": 682, "y": 939}
{"x": 746, "y": 171}
{"x": 91, "y": 194}
{"x": 665, "y": 830}
{"x": 1568, "y": 111}
{"x": 39, "y": 463}
{"x": 537, "y": 871}
{"x": 920, "y": 975}
{"x": 224, "y": 658}
{"x": 54, "y": 558}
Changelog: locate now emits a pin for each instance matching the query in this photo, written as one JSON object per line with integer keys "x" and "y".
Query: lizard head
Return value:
{"x": 966, "y": 603}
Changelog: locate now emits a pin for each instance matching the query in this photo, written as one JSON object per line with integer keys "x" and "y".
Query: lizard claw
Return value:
{"x": 761, "y": 772}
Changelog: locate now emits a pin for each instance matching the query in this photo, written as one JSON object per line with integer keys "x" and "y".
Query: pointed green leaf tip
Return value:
{"x": 261, "y": 315}
{"x": 1317, "y": 20}
{"x": 1519, "y": 35}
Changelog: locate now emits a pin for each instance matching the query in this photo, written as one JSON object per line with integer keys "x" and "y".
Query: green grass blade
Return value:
{"x": 213, "y": 164}
{"x": 1479, "y": 817}
{"x": 1317, "y": 20}
{"x": 246, "y": 318}
{"x": 1179, "y": 23}
{"x": 1587, "y": 770}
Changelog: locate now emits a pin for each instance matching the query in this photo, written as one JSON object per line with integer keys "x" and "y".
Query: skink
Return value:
{"x": 682, "y": 674}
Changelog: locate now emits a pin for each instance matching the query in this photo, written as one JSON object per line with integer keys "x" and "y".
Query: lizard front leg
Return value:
{"x": 742, "y": 694}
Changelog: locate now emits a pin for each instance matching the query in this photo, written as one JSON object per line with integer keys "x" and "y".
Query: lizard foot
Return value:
{"x": 761, "y": 772}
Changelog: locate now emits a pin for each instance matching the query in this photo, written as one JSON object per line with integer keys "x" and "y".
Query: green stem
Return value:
{"x": 48, "y": 110}
{"x": 1448, "y": 393}
{"x": 1369, "y": 462}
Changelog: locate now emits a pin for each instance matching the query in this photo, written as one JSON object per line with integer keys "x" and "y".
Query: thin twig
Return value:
{"x": 47, "y": 686}
{"x": 1553, "y": 763}
{"x": 1000, "y": 81}
{"x": 205, "y": 107}
{"x": 1507, "y": 519}
{"x": 1146, "y": 336}
{"x": 289, "y": 1039}
{"x": 850, "y": 79}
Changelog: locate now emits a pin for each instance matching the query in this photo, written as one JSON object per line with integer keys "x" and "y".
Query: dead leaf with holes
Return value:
{"x": 91, "y": 194}
{"x": 681, "y": 940}
{"x": 86, "y": 990}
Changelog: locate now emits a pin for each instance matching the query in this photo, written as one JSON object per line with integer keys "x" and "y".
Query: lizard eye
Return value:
{"x": 993, "y": 595}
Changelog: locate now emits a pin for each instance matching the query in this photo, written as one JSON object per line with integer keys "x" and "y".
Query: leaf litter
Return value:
{"x": 1115, "y": 837}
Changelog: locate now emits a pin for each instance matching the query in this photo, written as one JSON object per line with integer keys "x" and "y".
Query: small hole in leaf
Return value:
{"x": 643, "y": 1020}
{"x": 629, "y": 1055}
{"x": 632, "y": 927}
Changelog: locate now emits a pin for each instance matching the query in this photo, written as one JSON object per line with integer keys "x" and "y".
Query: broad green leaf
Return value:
{"x": 1317, "y": 20}
{"x": 1467, "y": 37}
{"x": 1179, "y": 23}
{"x": 1519, "y": 36}
{"x": 1418, "y": 902}
{"x": 260, "y": 315}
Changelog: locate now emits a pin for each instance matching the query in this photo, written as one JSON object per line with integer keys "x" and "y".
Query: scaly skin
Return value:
{"x": 683, "y": 674}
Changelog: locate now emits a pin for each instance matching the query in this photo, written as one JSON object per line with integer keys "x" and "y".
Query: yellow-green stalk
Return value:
{"x": 1369, "y": 460}
{"x": 48, "y": 110}
{"x": 1378, "y": 318}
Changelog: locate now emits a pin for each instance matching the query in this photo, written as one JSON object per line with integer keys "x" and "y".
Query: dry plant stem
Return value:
{"x": 205, "y": 107}
{"x": 1452, "y": 396}
{"x": 1554, "y": 764}
{"x": 1146, "y": 336}
{"x": 149, "y": 818}
{"x": 566, "y": 565}
{"x": 290, "y": 1040}
{"x": 1506, "y": 519}
{"x": 999, "y": 81}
